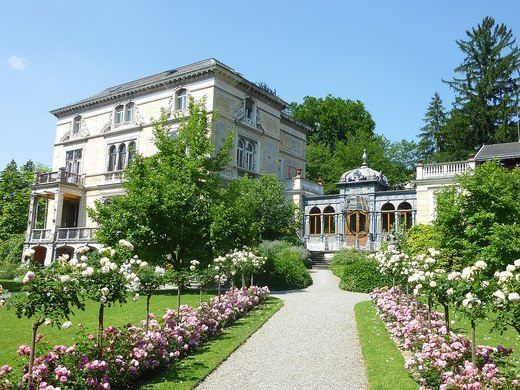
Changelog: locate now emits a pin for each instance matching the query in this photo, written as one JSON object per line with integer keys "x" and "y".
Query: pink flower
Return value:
{"x": 28, "y": 277}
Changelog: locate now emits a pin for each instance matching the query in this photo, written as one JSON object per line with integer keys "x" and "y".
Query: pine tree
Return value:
{"x": 435, "y": 119}
{"x": 487, "y": 92}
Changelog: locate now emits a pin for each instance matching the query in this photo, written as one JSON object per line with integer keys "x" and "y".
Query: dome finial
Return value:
{"x": 364, "y": 157}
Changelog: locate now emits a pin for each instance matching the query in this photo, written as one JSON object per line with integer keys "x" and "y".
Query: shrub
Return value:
{"x": 419, "y": 238}
{"x": 285, "y": 266}
{"x": 8, "y": 271}
{"x": 11, "y": 250}
{"x": 358, "y": 272}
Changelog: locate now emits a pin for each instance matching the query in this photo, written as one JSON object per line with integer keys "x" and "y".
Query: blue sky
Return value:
{"x": 391, "y": 55}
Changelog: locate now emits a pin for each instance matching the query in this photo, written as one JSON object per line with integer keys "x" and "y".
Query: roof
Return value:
{"x": 164, "y": 78}
{"x": 363, "y": 174}
{"x": 501, "y": 151}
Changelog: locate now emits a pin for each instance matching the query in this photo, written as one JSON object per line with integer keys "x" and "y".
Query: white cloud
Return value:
{"x": 17, "y": 63}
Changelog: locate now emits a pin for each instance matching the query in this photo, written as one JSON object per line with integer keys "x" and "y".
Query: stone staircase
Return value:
{"x": 318, "y": 260}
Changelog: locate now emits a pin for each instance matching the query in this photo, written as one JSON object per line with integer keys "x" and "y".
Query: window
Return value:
{"x": 124, "y": 113}
{"x": 76, "y": 126}
{"x": 405, "y": 214}
{"x": 118, "y": 119}
{"x": 180, "y": 99}
{"x": 73, "y": 160}
{"x": 357, "y": 223}
{"x": 112, "y": 157}
{"x": 388, "y": 217}
{"x": 292, "y": 172}
{"x": 132, "y": 150}
{"x": 246, "y": 154}
{"x": 250, "y": 109}
{"x": 129, "y": 112}
{"x": 315, "y": 221}
{"x": 121, "y": 159}
{"x": 328, "y": 220}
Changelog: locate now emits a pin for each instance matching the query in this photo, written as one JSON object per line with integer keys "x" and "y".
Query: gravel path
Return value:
{"x": 311, "y": 343}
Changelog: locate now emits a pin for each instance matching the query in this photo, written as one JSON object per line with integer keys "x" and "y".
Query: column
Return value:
{"x": 57, "y": 212}
{"x": 32, "y": 213}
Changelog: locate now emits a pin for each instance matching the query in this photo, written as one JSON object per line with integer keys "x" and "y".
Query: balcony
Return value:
{"x": 40, "y": 235}
{"x": 59, "y": 177}
{"x": 76, "y": 234}
{"x": 443, "y": 170}
{"x": 300, "y": 184}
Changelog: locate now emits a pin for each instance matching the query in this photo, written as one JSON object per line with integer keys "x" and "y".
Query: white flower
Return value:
{"x": 65, "y": 256}
{"x": 28, "y": 253}
{"x": 73, "y": 261}
{"x": 433, "y": 283}
{"x": 104, "y": 291}
{"x": 510, "y": 268}
{"x": 103, "y": 299}
{"x": 513, "y": 297}
{"x": 126, "y": 244}
{"x": 192, "y": 268}
{"x": 453, "y": 275}
{"x": 194, "y": 263}
{"x": 485, "y": 284}
{"x": 466, "y": 273}
{"x": 28, "y": 277}
{"x": 64, "y": 278}
{"x": 105, "y": 269}
{"x": 104, "y": 261}
{"x": 66, "y": 325}
{"x": 159, "y": 270}
{"x": 112, "y": 266}
{"x": 143, "y": 264}
{"x": 82, "y": 250}
{"x": 449, "y": 291}
{"x": 135, "y": 297}
{"x": 87, "y": 272}
{"x": 480, "y": 264}
{"x": 47, "y": 321}
{"x": 504, "y": 275}
{"x": 517, "y": 263}
{"x": 499, "y": 294}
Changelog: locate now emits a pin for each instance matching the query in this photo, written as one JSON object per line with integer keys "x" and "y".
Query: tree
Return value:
{"x": 487, "y": 92}
{"x": 167, "y": 209}
{"x": 252, "y": 210}
{"x": 478, "y": 218}
{"x": 332, "y": 118}
{"x": 434, "y": 121}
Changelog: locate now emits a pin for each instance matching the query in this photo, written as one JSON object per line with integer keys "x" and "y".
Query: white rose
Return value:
{"x": 112, "y": 266}
{"x": 510, "y": 268}
{"x": 504, "y": 275}
{"x": 64, "y": 278}
{"x": 466, "y": 273}
{"x": 513, "y": 297}
{"x": 192, "y": 268}
{"x": 499, "y": 294}
{"x": 126, "y": 244}
{"x": 88, "y": 272}
{"x": 105, "y": 269}
{"x": 485, "y": 284}
{"x": 517, "y": 263}
{"x": 433, "y": 283}
{"x": 159, "y": 270}
{"x": 28, "y": 253}
{"x": 449, "y": 291}
{"x": 66, "y": 325}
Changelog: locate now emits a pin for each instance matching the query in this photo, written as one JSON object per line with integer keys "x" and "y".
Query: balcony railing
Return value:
{"x": 40, "y": 234}
{"x": 75, "y": 234}
{"x": 60, "y": 176}
{"x": 299, "y": 183}
{"x": 449, "y": 169}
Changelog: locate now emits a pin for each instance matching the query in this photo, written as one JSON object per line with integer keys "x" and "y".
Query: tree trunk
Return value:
{"x": 148, "y": 297}
{"x": 430, "y": 310}
{"x": 447, "y": 318}
{"x": 218, "y": 289}
{"x": 100, "y": 328}
{"x": 243, "y": 280}
{"x": 473, "y": 345}
{"x": 35, "y": 327}
{"x": 252, "y": 279}
{"x": 178, "y": 299}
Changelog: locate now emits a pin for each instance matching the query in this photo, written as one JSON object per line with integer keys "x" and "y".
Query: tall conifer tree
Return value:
{"x": 434, "y": 121}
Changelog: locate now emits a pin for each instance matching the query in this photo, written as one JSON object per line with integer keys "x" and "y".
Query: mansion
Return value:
{"x": 98, "y": 136}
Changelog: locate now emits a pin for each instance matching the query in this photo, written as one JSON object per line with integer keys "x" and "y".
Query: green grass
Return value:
{"x": 384, "y": 362}
{"x": 194, "y": 368}
{"x": 15, "y": 332}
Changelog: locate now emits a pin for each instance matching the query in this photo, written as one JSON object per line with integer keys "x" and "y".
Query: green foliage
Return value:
{"x": 170, "y": 196}
{"x": 480, "y": 219}
{"x": 285, "y": 266}
{"x": 486, "y": 92}
{"x": 358, "y": 272}
{"x": 420, "y": 238}
{"x": 434, "y": 121}
{"x": 252, "y": 210}
{"x": 11, "y": 248}
{"x": 10, "y": 285}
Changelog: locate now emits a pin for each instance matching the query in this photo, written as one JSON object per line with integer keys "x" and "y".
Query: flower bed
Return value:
{"x": 130, "y": 353}
{"x": 440, "y": 358}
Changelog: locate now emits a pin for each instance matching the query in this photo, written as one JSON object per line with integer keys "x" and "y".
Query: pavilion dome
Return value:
{"x": 364, "y": 173}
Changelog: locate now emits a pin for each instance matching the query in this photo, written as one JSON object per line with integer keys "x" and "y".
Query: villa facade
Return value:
{"x": 98, "y": 136}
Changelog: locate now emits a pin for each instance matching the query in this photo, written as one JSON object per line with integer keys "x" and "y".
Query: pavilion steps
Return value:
{"x": 319, "y": 261}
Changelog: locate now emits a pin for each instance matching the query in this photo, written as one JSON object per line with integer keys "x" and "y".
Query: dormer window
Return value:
{"x": 180, "y": 99}
{"x": 129, "y": 112}
{"x": 124, "y": 114}
{"x": 76, "y": 125}
{"x": 118, "y": 118}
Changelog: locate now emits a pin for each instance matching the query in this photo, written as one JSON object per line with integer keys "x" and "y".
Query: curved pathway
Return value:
{"x": 311, "y": 343}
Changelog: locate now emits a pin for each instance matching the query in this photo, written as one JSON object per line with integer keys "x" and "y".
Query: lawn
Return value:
{"x": 192, "y": 370}
{"x": 10, "y": 285}
{"x": 384, "y": 362}
{"x": 15, "y": 332}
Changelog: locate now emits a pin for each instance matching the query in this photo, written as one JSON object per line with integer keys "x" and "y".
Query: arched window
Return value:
{"x": 328, "y": 220}
{"x": 250, "y": 108}
{"x": 388, "y": 216}
{"x": 405, "y": 214}
{"x": 121, "y": 160}
{"x": 357, "y": 216}
{"x": 118, "y": 118}
{"x": 250, "y": 156}
{"x": 112, "y": 157}
{"x": 129, "y": 112}
{"x": 315, "y": 221}
{"x": 240, "y": 153}
{"x": 132, "y": 150}
{"x": 76, "y": 126}
{"x": 180, "y": 99}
